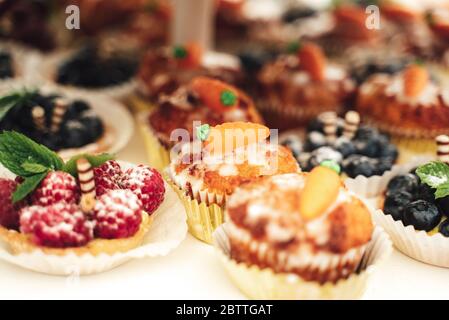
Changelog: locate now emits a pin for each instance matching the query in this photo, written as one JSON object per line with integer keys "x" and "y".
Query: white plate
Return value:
{"x": 167, "y": 231}
{"x": 115, "y": 116}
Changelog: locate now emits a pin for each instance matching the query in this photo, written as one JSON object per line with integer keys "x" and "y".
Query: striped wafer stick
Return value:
{"x": 87, "y": 184}
{"x": 38, "y": 114}
{"x": 352, "y": 120}
{"x": 443, "y": 148}
{"x": 60, "y": 107}
{"x": 330, "y": 125}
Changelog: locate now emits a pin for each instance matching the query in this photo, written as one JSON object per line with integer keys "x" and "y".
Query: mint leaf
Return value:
{"x": 9, "y": 101}
{"x": 33, "y": 167}
{"x": 16, "y": 149}
{"x": 27, "y": 186}
{"x": 436, "y": 175}
{"x": 94, "y": 160}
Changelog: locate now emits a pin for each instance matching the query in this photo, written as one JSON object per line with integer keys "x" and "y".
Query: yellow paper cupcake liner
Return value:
{"x": 139, "y": 104}
{"x": 265, "y": 284}
{"x": 202, "y": 219}
{"x": 158, "y": 156}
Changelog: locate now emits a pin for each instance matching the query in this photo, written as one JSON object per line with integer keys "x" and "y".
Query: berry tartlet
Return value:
{"x": 298, "y": 86}
{"x": 300, "y": 230}
{"x": 164, "y": 70}
{"x": 208, "y": 170}
{"x": 87, "y": 205}
{"x": 409, "y": 104}
{"x": 63, "y": 123}
{"x": 358, "y": 150}
{"x": 202, "y": 100}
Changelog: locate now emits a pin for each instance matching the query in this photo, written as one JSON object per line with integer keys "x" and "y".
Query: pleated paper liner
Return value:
{"x": 158, "y": 156}
{"x": 203, "y": 216}
{"x": 419, "y": 245}
{"x": 258, "y": 283}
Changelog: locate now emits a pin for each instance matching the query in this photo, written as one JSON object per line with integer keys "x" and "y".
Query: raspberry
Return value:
{"x": 9, "y": 212}
{"x": 118, "y": 214}
{"x": 107, "y": 177}
{"x": 147, "y": 184}
{"x": 60, "y": 225}
{"x": 57, "y": 187}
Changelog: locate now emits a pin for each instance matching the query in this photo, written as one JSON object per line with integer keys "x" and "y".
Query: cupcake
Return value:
{"x": 87, "y": 205}
{"x": 304, "y": 234}
{"x": 164, "y": 70}
{"x": 204, "y": 100}
{"x": 409, "y": 104}
{"x": 231, "y": 154}
{"x": 58, "y": 122}
{"x": 358, "y": 150}
{"x": 297, "y": 87}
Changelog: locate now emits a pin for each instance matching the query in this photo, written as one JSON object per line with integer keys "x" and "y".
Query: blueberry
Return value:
{"x": 422, "y": 215}
{"x": 443, "y": 204}
{"x": 253, "y": 60}
{"x": 293, "y": 142}
{"x": 314, "y": 141}
{"x": 424, "y": 192}
{"x": 6, "y": 65}
{"x": 327, "y": 153}
{"x": 444, "y": 228}
{"x": 366, "y": 133}
{"x": 369, "y": 148}
{"x": 75, "y": 134}
{"x": 315, "y": 125}
{"x": 407, "y": 182}
{"x": 383, "y": 164}
{"x": 395, "y": 203}
{"x": 344, "y": 146}
{"x": 389, "y": 151}
{"x": 93, "y": 126}
{"x": 356, "y": 165}
{"x": 298, "y": 13}
{"x": 311, "y": 163}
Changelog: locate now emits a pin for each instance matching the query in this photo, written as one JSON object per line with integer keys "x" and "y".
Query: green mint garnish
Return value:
{"x": 11, "y": 100}
{"x": 228, "y": 98}
{"x": 293, "y": 47}
{"x": 179, "y": 52}
{"x": 436, "y": 175}
{"x": 34, "y": 167}
{"x": 202, "y": 132}
{"x": 331, "y": 165}
{"x": 28, "y": 186}
{"x": 94, "y": 160}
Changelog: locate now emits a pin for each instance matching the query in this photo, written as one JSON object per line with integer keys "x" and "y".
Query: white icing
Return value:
{"x": 213, "y": 59}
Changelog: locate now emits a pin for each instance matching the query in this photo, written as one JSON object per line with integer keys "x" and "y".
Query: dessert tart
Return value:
{"x": 358, "y": 150}
{"x": 87, "y": 205}
{"x": 409, "y": 104}
{"x": 164, "y": 70}
{"x": 287, "y": 229}
{"x": 208, "y": 170}
{"x": 298, "y": 86}
{"x": 60, "y": 122}
{"x": 412, "y": 205}
{"x": 201, "y": 100}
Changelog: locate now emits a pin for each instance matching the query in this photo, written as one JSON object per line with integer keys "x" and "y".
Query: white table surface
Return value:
{"x": 193, "y": 271}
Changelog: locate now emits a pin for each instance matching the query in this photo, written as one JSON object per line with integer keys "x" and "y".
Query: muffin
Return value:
{"x": 204, "y": 177}
{"x": 203, "y": 100}
{"x": 298, "y": 86}
{"x": 305, "y": 224}
{"x": 409, "y": 104}
{"x": 358, "y": 150}
{"x": 87, "y": 205}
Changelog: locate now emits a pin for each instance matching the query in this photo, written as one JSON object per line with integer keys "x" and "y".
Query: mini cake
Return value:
{"x": 52, "y": 120}
{"x": 88, "y": 205}
{"x": 358, "y": 150}
{"x": 307, "y": 224}
{"x": 205, "y": 176}
{"x": 204, "y": 100}
{"x": 297, "y": 87}
{"x": 95, "y": 68}
{"x": 408, "y": 104}
{"x": 164, "y": 70}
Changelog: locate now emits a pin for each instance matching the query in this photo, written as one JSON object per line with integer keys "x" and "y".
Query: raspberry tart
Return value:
{"x": 357, "y": 149}
{"x": 298, "y": 86}
{"x": 205, "y": 172}
{"x": 87, "y": 205}
{"x": 201, "y": 100}
{"x": 287, "y": 229}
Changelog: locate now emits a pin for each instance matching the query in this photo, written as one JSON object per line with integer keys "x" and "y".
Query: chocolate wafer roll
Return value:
{"x": 352, "y": 121}
{"x": 330, "y": 125}
{"x": 38, "y": 114}
{"x": 87, "y": 184}
{"x": 60, "y": 107}
{"x": 443, "y": 148}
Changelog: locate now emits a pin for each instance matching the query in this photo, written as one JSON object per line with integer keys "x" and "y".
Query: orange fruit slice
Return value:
{"x": 229, "y": 136}
{"x": 215, "y": 94}
{"x": 321, "y": 189}
{"x": 312, "y": 60}
{"x": 415, "y": 78}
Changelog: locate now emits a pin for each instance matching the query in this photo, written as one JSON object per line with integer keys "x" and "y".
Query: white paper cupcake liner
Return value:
{"x": 419, "y": 245}
{"x": 167, "y": 231}
{"x": 118, "y": 121}
{"x": 259, "y": 283}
